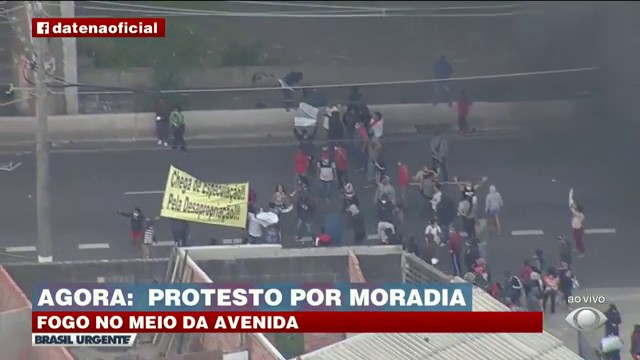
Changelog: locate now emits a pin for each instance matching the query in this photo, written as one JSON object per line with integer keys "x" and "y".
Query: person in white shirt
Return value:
{"x": 254, "y": 228}
{"x": 437, "y": 197}
{"x": 493, "y": 206}
{"x": 326, "y": 174}
{"x": 377, "y": 125}
{"x": 577, "y": 223}
{"x": 434, "y": 229}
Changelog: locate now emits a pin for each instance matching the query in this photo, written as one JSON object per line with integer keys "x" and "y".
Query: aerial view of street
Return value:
{"x": 531, "y": 204}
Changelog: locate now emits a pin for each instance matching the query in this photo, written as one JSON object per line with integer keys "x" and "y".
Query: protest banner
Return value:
{"x": 191, "y": 199}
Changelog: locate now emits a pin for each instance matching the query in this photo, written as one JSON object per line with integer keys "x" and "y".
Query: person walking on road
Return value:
{"x": 566, "y": 252}
{"x": 468, "y": 206}
{"x": 374, "y": 149}
{"x": 305, "y": 210}
{"x": 385, "y": 218}
{"x": 149, "y": 237}
{"x": 614, "y": 319}
{"x": 442, "y": 71}
{"x": 445, "y": 214}
{"x": 137, "y": 223}
{"x": 635, "y": 343}
{"x": 163, "y": 112}
{"x": 254, "y": 228}
{"x": 551, "y": 287}
{"x": 385, "y": 189}
{"x": 357, "y": 224}
{"x": 525, "y": 275}
{"x": 326, "y": 174}
{"x": 426, "y": 181}
{"x": 403, "y": 182}
{"x": 439, "y": 150}
{"x": 493, "y": 206}
{"x": 565, "y": 282}
{"x": 467, "y": 209}
{"x": 376, "y": 125}
{"x": 455, "y": 250}
{"x": 464, "y": 105}
{"x": 435, "y": 231}
{"x": 180, "y": 232}
{"x": 178, "y": 128}
{"x": 577, "y": 223}
{"x": 349, "y": 197}
{"x": 342, "y": 164}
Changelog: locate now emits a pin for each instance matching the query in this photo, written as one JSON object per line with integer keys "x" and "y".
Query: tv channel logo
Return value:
{"x": 42, "y": 28}
{"x": 586, "y": 319}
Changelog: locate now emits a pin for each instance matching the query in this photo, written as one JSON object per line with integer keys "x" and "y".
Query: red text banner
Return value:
{"x": 287, "y": 322}
{"x": 98, "y": 27}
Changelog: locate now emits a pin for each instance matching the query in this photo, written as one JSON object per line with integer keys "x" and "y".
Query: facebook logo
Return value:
{"x": 42, "y": 28}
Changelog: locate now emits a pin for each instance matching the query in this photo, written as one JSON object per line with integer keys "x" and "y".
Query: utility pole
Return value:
{"x": 70, "y": 61}
{"x": 43, "y": 213}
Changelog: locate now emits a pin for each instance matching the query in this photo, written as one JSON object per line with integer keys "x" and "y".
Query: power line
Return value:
{"x": 169, "y": 11}
{"x": 383, "y": 83}
{"x": 366, "y": 8}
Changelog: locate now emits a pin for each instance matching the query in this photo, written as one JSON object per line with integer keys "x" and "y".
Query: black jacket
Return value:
{"x": 385, "y": 212}
{"x": 336, "y": 131}
{"x": 305, "y": 209}
{"x": 357, "y": 223}
{"x": 446, "y": 211}
{"x": 137, "y": 219}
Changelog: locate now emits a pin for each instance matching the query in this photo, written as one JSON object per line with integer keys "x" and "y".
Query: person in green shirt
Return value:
{"x": 178, "y": 128}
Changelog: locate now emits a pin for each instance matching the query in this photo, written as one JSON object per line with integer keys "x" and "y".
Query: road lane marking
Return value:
{"x": 14, "y": 249}
{"x": 236, "y": 241}
{"x": 165, "y": 243}
{"x": 527, "y": 233}
{"x": 151, "y": 192}
{"x": 93, "y": 246}
{"x": 373, "y": 237}
{"x": 600, "y": 231}
{"x": 402, "y": 137}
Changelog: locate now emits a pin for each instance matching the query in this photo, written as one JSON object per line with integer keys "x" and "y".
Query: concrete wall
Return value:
{"x": 268, "y": 122}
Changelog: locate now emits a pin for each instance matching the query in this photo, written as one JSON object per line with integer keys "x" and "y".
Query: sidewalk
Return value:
{"x": 626, "y": 299}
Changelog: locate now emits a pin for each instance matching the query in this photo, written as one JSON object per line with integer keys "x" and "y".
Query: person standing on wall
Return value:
{"x": 163, "y": 112}
{"x": 287, "y": 83}
{"x": 442, "y": 71}
{"x": 178, "y": 128}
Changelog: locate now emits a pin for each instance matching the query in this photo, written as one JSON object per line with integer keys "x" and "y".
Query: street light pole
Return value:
{"x": 43, "y": 213}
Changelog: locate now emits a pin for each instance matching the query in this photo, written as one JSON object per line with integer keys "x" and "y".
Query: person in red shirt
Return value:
{"x": 342, "y": 164}
{"x": 323, "y": 239}
{"x": 635, "y": 342}
{"x": 301, "y": 166}
{"x": 525, "y": 275}
{"x": 463, "y": 111}
{"x": 403, "y": 182}
{"x": 455, "y": 249}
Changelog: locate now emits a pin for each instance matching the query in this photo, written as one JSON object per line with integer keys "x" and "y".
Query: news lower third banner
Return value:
{"x": 112, "y": 313}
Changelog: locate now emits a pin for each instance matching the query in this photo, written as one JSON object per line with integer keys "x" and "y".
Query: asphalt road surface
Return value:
{"x": 533, "y": 174}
